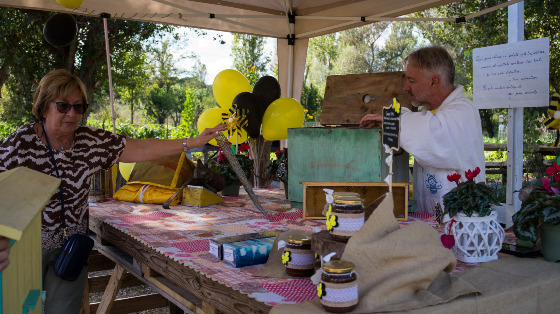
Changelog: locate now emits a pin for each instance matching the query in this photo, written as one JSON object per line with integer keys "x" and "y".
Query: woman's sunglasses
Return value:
{"x": 64, "y": 107}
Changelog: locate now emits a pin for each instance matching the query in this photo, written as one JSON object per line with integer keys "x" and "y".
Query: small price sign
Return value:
{"x": 391, "y": 125}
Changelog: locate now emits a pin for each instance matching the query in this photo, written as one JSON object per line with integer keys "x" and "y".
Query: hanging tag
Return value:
{"x": 281, "y": 244}
{"x": 448, "y": 240}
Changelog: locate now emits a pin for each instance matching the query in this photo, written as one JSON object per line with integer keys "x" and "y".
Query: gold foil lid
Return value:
{"x": 344, "y": 194}
{"x": 348, "y": 200}
{"x": 295, "y": 239}
{"x": 338, "y": 266}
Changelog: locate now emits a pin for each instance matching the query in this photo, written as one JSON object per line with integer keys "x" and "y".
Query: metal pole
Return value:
{"x": 107, "y": 51}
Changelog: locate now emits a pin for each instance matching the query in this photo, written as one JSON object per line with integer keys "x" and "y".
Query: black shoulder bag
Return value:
{"x": 75, "y": 252}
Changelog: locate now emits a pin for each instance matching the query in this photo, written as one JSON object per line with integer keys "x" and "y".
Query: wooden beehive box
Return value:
{"x": 314, "y": 200}
{"x": 24, "y": 193}
{"x": 338, "y": 155}
{"x": 349, "y": 97}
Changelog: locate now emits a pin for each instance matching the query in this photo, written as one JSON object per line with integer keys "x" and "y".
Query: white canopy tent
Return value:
{"x": 292, "y": 23}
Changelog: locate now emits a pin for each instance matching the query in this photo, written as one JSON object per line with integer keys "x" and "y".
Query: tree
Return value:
{"x": 541, "y": 20}
{"x": 360, "y": 49}
{"x": 130, "y": 80}
{"x": 26, "y": 56}
{"x": 249, "y": 56}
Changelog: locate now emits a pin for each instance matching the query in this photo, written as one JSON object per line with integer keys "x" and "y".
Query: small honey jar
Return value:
{"x": 338, "y": 289}
{"x": 345, "y": 218}
{"x": 298, "y": 257}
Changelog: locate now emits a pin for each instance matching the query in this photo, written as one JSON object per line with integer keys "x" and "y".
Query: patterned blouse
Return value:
{"x": 93, "y": 149}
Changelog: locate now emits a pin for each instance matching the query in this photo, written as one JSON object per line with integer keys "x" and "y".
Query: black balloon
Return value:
{"x": 267, "y": 89}
{"x": 248, "y": 104}
{"x": 60, "y": 29}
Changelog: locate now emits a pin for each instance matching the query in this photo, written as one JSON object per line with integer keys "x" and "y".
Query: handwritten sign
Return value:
{"x": 391, "y": 125}
{"x": 512, "y": 75}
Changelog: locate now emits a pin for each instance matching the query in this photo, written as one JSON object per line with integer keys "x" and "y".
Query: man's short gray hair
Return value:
{"x": 434, "y": 60}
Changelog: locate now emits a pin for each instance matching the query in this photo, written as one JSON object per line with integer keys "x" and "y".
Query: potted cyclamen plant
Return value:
{"x": 218, "y": 163}
{"x": 540, "y": 211}
{"x": 470, "y": 222}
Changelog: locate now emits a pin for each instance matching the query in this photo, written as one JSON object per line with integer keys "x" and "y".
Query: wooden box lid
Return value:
{"x": 344, "y": 96}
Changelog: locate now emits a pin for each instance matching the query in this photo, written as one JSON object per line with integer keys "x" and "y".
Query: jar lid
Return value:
{"x": 348, "y": 200}
{"x": 298, "y": 239}
{"x": 343, "y": 194}
{"x": 338, "y": 266}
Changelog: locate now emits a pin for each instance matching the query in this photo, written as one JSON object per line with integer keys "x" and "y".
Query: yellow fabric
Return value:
{"x": 166, "y": 172}
{"x": 146, "y": 194}
{"x": 154, "y": 182}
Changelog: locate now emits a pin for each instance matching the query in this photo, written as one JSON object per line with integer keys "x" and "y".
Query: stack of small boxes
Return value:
{"x": 244, "y": 249}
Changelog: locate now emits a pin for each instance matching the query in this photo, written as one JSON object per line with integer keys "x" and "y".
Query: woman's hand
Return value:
{"x": 210, "y": 133}
{"x": 372, "y": 120}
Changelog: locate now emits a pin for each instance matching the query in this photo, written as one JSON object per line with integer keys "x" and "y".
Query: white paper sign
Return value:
{"x": 512, "y": 75}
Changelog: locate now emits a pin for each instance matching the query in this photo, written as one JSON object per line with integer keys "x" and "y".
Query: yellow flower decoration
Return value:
{"x": 286, "y": 257}
{"x": 396, "y": 106}
{"x": 329, "y": 211}
{"x": 331, "y": 222}
{"x": 321, "y": 290}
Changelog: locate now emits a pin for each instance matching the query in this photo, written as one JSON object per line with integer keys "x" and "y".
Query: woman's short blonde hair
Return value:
{"x": 56, "y": 84}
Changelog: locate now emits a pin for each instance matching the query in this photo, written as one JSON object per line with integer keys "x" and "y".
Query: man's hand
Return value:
{"x": 372, "y": 120}
{"x": 4, "y": 252}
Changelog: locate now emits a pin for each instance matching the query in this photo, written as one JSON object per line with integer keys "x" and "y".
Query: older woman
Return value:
{"x": 78, "y": 152}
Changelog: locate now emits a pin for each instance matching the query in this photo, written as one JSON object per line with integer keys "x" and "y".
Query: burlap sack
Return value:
{"x": 274, "y": 267}
{"x": 399, "y": 268}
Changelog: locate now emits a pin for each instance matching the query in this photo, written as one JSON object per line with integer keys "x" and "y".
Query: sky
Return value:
{"x": 216, "y": 56}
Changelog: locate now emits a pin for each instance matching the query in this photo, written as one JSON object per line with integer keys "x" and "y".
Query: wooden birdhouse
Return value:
{"x": 23, "y": 194}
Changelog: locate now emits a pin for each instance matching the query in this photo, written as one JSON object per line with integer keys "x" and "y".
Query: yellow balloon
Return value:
{"x": 125, "y": 168}
{"x": 212, "y": 117}
{"x": 281, "y": 114}
{"x": 228, "y": 84}
{"x": 70, "y": 4}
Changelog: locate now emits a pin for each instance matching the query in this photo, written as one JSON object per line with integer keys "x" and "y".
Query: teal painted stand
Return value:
{"x": 338, "y": 155}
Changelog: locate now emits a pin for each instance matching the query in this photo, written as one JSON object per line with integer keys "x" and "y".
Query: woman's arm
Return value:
{"x": 137, "y": 150}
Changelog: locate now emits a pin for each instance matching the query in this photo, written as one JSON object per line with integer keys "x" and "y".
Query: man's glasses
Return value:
{"x": 64, "y": 107}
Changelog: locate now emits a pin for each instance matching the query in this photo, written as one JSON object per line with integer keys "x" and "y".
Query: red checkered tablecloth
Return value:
{"x": 182, "y": 234}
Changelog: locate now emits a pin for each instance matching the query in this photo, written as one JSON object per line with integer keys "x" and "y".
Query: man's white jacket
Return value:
{"x": 442, "y": 143}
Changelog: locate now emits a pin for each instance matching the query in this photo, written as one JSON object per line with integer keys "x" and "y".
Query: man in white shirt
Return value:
{"x": 445, "y": 136}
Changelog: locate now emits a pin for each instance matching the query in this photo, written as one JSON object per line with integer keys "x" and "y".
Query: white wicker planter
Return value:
{"x": 477, "y": 239}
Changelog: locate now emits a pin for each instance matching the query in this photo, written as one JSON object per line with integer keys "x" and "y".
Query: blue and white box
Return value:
{"x": 247, "y": 253}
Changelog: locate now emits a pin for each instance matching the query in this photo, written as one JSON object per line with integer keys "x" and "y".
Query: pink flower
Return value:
{"x": 221, "y": 157}
{"x": 244, "y": 147}
{"x": 555, "y": 190}
{"x": 454, "y": 178}
{"x": 470, "y": 175}
{"x": 554, "y": 169}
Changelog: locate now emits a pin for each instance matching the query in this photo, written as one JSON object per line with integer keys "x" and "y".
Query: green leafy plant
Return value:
{"x": 540, "y": 203}
{"x": 468, "y": 196}
{"x": 218, "y": 163}
{"x": 278, "y": 168}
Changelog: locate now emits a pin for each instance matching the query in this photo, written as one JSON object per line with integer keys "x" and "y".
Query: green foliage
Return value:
{"x": 469, "y": 197}
{"x": 196, "y": 101}
{"x": 311, "y": 101}
{"x": 6, "y": 129}
{"x": 218, "y": 163}
{"x": 539, "y": 203}
{"x": 249, "y": 56}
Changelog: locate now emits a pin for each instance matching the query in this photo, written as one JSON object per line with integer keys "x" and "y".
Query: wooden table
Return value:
{"x": 166, "y": 250}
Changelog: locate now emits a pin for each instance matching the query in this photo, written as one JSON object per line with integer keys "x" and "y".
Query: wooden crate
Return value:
{"x": 344, "y": 96}
{"x": 314, "y": 197}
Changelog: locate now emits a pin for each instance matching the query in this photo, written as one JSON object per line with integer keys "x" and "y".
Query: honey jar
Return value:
{"x": 345, "y": 218}
{"x": 338, "y": 289}
{"x": 298, "y": 257}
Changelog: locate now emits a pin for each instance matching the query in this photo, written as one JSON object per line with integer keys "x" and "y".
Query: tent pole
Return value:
{"x": 107, "y": 51}
{"x": 515, "y": 124}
